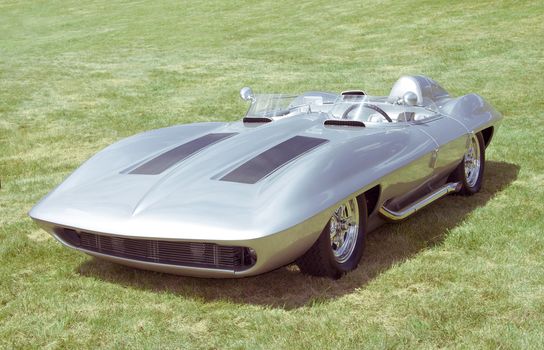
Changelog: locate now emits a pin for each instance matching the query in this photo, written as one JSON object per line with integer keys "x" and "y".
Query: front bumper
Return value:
{"x": 272, "y": 251}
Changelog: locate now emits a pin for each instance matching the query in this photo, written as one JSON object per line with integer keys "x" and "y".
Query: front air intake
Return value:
{"x": 178, "y": 253}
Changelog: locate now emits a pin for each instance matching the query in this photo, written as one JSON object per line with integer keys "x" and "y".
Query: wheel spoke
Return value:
{"x": 344, "y": 230}
{"x": 339, "y": 213}
{"x": 472, "y": 162}
{"x": 349, "y": 211}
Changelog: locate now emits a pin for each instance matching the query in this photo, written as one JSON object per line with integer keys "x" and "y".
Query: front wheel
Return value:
{"x": 470, "y": 172}
{"x": 340, "y": 246}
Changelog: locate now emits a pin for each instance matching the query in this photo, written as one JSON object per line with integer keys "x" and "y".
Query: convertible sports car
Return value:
{"x": 300, "y": 178}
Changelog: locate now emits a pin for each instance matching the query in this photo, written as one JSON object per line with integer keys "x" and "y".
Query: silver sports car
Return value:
{"x": 299, "y": 178}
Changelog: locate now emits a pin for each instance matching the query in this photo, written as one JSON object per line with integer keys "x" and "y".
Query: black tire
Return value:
{"x": 319, "y": 260}
{"x": 459, "y": 174}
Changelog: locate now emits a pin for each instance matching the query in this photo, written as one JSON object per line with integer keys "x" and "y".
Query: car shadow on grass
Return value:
{"x": 287, "y": 288}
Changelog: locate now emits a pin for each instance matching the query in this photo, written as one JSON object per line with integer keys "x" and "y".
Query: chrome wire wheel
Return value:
{"x": 344, "y": 230}
{"x": 472, "y": 162}
{"x": 340, "y": 245}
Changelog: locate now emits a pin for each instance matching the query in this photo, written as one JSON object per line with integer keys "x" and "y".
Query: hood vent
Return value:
{"x": 344, "y": 122}
{"x": 256, "y": 120}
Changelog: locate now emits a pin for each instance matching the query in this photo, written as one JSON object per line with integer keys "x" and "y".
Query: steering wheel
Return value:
{"x": 367, "y": 105}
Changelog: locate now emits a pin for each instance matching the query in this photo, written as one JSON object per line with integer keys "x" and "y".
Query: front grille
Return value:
{"x": 192, "y": 254}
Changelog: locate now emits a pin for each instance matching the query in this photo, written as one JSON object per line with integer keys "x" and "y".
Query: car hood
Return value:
{"x": 106, "y": 195}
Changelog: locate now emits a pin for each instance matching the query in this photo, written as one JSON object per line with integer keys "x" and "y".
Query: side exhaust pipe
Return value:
{"x": 420, "y": 204}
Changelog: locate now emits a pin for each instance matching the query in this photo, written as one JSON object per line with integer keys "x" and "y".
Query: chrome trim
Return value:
{"x": 472, "y": 162}
{"x": 420, "y": 204}
{"x": 434, "y": 157}
{"x": 247, "y": 94}
{"x": 344, "y": 230}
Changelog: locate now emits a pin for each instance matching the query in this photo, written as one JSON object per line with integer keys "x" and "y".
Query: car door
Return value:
{"x": 414, "y": 152}
{"x": 442, "y": 142}
{"x": 450, "y": 137}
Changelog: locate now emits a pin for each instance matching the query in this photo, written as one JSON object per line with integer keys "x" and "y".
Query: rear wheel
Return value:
{"x": 340, "y": 246}
{"x": 471, "y": 170}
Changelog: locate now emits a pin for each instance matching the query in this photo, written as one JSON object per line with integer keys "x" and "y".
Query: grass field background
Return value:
{"x": 77, "y": 76}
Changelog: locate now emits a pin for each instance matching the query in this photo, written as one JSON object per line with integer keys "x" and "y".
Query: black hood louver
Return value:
{"x": 344, "y": 122}
{"x": 256, "y": 120}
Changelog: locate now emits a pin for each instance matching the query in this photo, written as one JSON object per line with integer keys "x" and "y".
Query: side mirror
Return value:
{"x": 410, "y": 98}
{"x": 247, "y": 94}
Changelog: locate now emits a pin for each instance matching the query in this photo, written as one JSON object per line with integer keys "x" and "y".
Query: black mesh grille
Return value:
{"x": 193, "y": 254}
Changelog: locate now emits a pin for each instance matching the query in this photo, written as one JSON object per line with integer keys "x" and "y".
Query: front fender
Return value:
{"x": 318, "y": 181}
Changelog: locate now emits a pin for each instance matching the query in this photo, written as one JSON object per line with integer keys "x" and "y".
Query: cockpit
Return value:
{"x": 412, "y": 99}
{"x": 372, "y": 109}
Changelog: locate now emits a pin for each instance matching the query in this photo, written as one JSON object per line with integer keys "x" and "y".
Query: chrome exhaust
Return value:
{"x": 420, "y": 204}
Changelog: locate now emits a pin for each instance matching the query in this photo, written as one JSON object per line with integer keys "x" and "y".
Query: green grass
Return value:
{"x": 77, "y": 76}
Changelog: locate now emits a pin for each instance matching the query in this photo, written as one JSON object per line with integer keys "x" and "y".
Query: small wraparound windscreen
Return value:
{"x": 372, "y": 109}
{"x": 357, "y": 107}
{"x": 278, "y": 106}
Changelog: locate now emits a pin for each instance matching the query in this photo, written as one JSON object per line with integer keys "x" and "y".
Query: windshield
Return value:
{"x": 280, "y": 105}
{"x": 372, "y": 109}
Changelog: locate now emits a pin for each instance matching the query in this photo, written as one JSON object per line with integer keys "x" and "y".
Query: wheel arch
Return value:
{"x": 371, "y": 196}
{"x": 487, "y": 134}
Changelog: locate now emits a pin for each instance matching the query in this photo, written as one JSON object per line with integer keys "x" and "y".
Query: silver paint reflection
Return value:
{"x": 283, "y": 214}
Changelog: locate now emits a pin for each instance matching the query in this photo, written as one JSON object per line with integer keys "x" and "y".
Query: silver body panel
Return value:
{"x": 281, "y": 215}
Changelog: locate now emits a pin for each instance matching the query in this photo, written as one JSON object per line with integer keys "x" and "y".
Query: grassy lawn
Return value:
{"x": 77, "y": 76}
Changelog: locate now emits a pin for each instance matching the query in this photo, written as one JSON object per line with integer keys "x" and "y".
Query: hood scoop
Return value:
{"x": 256, "y": 120}
{"x": 344, "y": 122}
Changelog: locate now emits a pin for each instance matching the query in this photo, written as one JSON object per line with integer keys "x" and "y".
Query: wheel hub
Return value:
{"x": 472, "y": 162}
{"x": 344, "y": 230}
